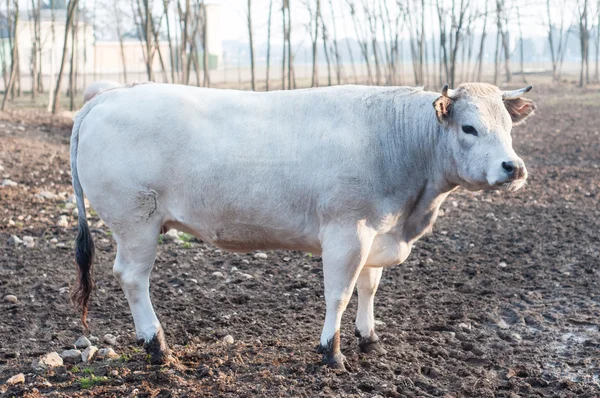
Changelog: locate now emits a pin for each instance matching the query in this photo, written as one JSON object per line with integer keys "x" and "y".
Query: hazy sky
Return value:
{"x": 233, "y": 17}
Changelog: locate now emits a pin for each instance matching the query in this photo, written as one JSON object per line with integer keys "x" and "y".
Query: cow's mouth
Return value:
{"x": 511, "y": 186}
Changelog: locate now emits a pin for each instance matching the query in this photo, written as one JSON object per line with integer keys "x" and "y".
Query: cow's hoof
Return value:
{"x": 370, "y": 344}
{"x": 334, "y": 361}
{"x": 330, "y": 359}
{"x": 157, "y": 349}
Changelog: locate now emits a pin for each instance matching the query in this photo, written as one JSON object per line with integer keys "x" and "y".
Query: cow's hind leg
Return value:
{"x": 344, "y": 253}
{"x": 367, "y": 284}
{"x": 136, "y": 252}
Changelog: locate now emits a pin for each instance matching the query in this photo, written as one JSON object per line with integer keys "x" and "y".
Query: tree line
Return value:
{"x": 445, "y": 40}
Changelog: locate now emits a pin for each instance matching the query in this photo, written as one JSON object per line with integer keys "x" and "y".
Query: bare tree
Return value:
{"x": 71, "y": 7}
{"x": 13, "y": 22}
{"x": 268, "y": 79}
{"x": 169, "y": 39}
{"x": 336, "y": 50}
{"x": 35, "y": 47}
{"x": 72, "y": 89}
{"x": 53, "y": 58}
{"x": 521, "y": 44}
{"x": 205, "y": 53}
{"x": 584, "y": 40}
{"x": 284, "y": 5}
{"x": 364, "y": 47}
{"x": 502, "y": 13}
{"x": 314, "y": 37}
{"x": 482, "y": 43}
{"x": 120, "y": 35}
{"x": 251, "y": 44}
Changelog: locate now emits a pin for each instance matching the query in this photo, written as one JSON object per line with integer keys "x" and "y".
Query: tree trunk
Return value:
{"x": 15, "y": 51}
{"x": 315, "y": 37}
{"x": 335, "y": 46}
{"x": 119, "y": 27}
{"x": 205, "y": 53}
{"x": 268, "y": 79}
{"x": 71, "y": 7}
{"x": 73, "y": 60}
{"x": 53, "y": 58}
{"x": 291, "y": 78}
{"x": 284, "y": 44}
{"x": 171, "y": 57}
{"x": 251, "y": 44}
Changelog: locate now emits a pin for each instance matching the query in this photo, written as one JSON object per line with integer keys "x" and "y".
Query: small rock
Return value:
{"x": 16, "y": 379}
{"x": 46, "y": 195}
{"x": 465, "y": 326}
{"x": 9, "y": 183}
{"x": 110, "y": 339}
{"x": 218, "y": 274}
{"x": 114, "y": 373}
{"x": 54, "y": 240}
{"x": 50, "y": 360}
{"x": 82, "y": 342}
{"x": 491, "y": 216}
{"x": 14, "y": 240}
{"x": 63, "y": 221}
{"x": 286, "y": 259}
{"x": 379, "y": 323}
{"x": 245, "y": 261}
{"x": 228, "y": 339}
{"x": 261, "y": 256}
{"x": 107, "y": 353}
{"x": 502, "y": 264}
{"x": 93, "y": 339}
{"x": 71, "y": 356}
{"x": 11, "y": 298}
{"x": 28, "y": 242}
{"x": 245, "y": 276}
{"x": 234, "y": 269}
{"x": 172, "y": 235}
{"x": 89, "y": 353}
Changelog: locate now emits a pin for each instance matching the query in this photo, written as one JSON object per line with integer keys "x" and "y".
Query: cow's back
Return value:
{"x": 242, "y": 165}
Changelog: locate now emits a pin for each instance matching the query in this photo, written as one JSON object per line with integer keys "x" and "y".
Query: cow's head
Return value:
{"x": 478, "y": 118}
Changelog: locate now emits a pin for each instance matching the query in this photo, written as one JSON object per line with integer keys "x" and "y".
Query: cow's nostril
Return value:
{"x": 509, "y": 167}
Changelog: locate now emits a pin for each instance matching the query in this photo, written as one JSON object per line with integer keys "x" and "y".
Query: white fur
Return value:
{"x": 354, "y": 173}
{"x": 97, "y": 87}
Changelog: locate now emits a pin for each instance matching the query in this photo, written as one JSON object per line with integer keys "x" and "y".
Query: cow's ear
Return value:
{"x": 443, "y": 109}
{"x": 519, "y": 109}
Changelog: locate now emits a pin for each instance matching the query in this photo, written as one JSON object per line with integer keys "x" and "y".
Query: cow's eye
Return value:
{"x": 469, "y": 130}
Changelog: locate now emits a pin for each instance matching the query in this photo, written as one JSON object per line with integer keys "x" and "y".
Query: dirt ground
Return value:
{"x": 501, "y": 300}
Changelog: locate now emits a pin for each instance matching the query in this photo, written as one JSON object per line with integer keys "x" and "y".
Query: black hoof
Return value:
{"x": 336, "y": 361}
{"x": 370, "y": 344}
{"x": 157, "y": 349}
{"x": 332, "y": 356}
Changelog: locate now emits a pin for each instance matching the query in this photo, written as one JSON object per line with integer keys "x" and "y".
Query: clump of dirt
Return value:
{"x": 502, "y": 300}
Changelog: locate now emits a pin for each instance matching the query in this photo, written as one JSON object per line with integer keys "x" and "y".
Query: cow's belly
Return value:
{"x": 387, "y": 250}
{"x": 244, "y": 237}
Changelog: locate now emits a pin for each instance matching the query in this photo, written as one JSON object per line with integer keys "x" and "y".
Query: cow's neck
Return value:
{"x": 419, "y": 162}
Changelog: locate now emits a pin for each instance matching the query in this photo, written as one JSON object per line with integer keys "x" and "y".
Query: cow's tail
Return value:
{"x": 84, "y": 244}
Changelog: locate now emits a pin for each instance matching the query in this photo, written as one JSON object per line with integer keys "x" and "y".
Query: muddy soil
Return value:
{"x": 502, "y": 299}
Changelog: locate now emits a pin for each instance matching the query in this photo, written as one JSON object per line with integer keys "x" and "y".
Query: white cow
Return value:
{"x": 97, "y": 87}
{"x": 356, "y": 174}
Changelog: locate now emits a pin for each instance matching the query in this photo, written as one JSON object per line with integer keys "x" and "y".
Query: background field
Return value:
{"x": 501, "y": 300}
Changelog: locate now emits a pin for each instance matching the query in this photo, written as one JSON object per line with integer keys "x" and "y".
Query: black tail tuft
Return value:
{"x": 84, "y": 259}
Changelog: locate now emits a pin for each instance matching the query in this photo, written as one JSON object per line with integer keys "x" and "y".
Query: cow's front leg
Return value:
{"x": 368, "y": 281}
{"x": 344, "y": 254}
